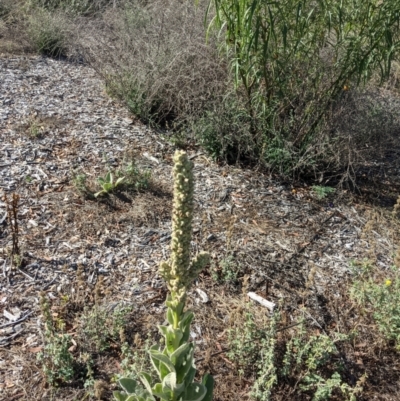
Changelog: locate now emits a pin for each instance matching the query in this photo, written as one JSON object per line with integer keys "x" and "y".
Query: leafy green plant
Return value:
{"x": 265, "y": 364}
{"x": 99, "y": 328}
{"x": 174, "y": 365}
{"x": 293, "y": 60}
{"x": 313, "y": 361}
{"x": 243, "y": 343}
{"x": 379, "y": 297}
{"x": 134, "y": 177}
{"x": 135, "y": 360}
{"x": 57, "y": 361}
{"x": 6, "y": 6}
{"x": 227, "y": 271}
{"x": 224, "y": 130}
{"x": 322, "y": 191}
{"x": 310, "y": 360}
{"x": 252, "y": 348}
{"x": 108, "y": 184}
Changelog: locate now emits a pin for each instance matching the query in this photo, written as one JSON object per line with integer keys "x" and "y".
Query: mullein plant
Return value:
{"x": 174, "y": 365}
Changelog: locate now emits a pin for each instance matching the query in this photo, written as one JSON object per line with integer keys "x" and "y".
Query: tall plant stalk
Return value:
{"x": 174, "y": 365}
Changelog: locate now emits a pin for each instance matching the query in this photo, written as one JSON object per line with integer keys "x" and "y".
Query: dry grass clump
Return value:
{"x": 48, "y": 32}
{"x": 153, "y": 55}
{"x": 74, "y": 7}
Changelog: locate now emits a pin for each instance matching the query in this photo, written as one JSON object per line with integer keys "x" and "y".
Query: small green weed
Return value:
{"x": 135, "y": 360}
{"x": 99, "y": 328}
{"x": 34, "y": 130}
{"x": 314, "y": 361}
{"x": 378, "y": 294}
{"x": 227, "y": 271}
{"x": 135, "y": 178}
{"x": 243, "y": 343}
{"x": 79, "y": 181}
{"x": 253, "y": 350}
{"x": 6, "y": 7}
{"x": 28, "y": 179}
{"x": 57, "y": 361}
{"x": 321, "y": 191}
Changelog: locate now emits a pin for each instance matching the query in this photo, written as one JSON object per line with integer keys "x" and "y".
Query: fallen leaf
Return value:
{"x": 35, "y": 350}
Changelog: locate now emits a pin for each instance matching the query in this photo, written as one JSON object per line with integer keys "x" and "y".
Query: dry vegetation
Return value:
{"x": 330, "y": 338}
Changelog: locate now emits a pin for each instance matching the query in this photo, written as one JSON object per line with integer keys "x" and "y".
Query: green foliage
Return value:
{"x": 34, "y": 130}
{"x": 314, "y": 361}
{"x": 134, "y": 177}
{"x": 47, "y": 33}
{"x": 322, "y": 191}
{"x": 224, "y": 130}
{"x": 135, "y": 360}
{"x": 379, "y": 297}
{"x": 292, "y": 60}
{"x": 99, "y": 328}
{"x": 174, "y": 365}
{"x": 253, "y": 350}
{"x": 57, "y": 362}
{"x": 128, "y": 178}
{"x": 311, "y": 360}
{"x": 108, "y": 184}
{"x": 6, "y": 6}
{"x": 79, "y": 181}
{"x": 266, "y": 377}
{"x": 160, "y": 66}
{"x": 243, "y": 343}
{"x": 228, "y": 270}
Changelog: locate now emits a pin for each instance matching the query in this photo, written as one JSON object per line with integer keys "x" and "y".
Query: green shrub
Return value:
{"x": 224, "y": 130}
{"x": 378, "y": 295}
{"x": 296, "y": 60}
{"x": 99, "y": 327}
{"x": 311, "y": 360}
{"x": 135, "y": 178}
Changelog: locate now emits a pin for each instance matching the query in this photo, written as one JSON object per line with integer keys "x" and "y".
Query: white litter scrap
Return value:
{"x": 269, "y": 305}
{"x": 203, "y": 296}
